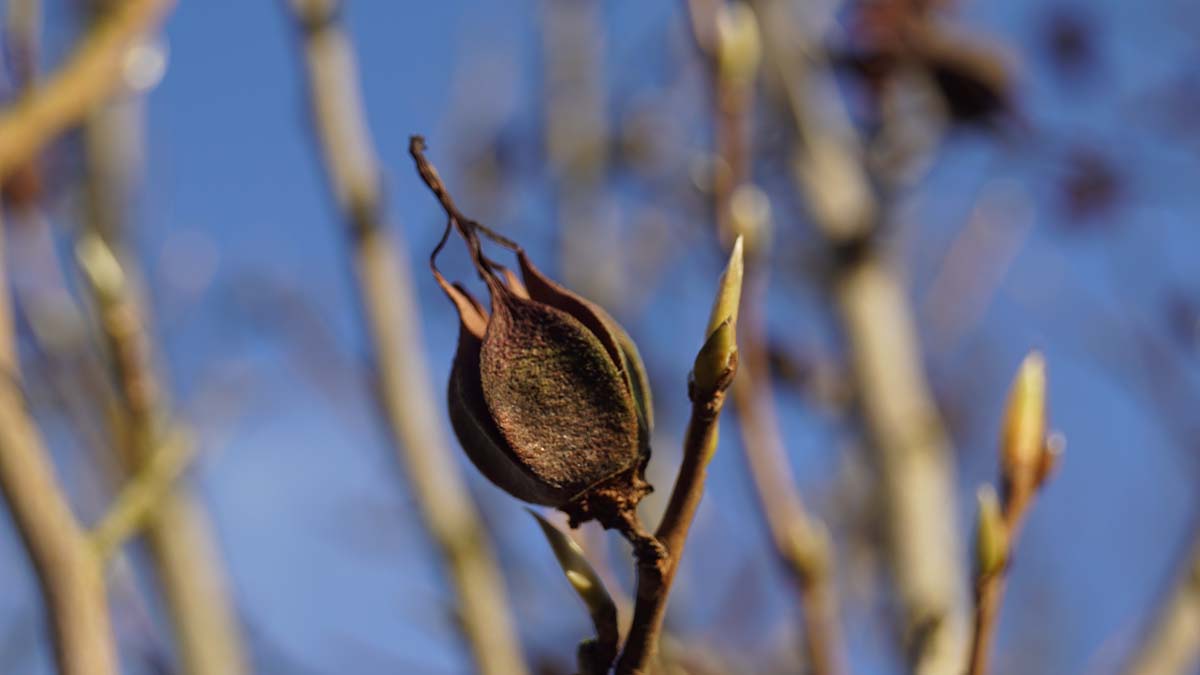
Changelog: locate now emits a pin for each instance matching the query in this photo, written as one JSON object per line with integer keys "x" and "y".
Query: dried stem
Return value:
{"x": 1172, "y": 646}
{"x": 658, "y": 557}
{"x": 386, "y": 293}
{"x": 180, "y": 538}
{"x": 90, "y": 77}
{"x": 70, "y": 575}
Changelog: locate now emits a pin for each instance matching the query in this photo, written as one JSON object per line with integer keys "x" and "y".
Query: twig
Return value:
{"x": 141, "y": 495}
{"x": 576, "y": 142}
{"x": 92, "y": 75}
{"x": 1027, "y": 460}
{"x": 714, "y": 370}
{"x": 181, "y": 543}
{"x": 800, "y": 539}
{"x": 1172, "y": 646}
{"x": 386, "y": 293}
{"x": 70, "y": 575}
{"x": 913, "y": 460}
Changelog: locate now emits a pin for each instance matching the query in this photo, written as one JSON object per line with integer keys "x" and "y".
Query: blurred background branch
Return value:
{"x": 181, "y": 542}
{"x": 1172, "y": 644}
{"x": 70, "y": 574}
{"x": 390, "y": 310}
{"x": 914, "y": 465}
{"x": 93, "y": 74}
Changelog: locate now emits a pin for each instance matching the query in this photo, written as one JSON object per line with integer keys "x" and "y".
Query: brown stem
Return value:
{"x": 387, "y": 297}
{"x": 91, "y": 75}
{"x": 989, "y": 587}
{"x": 68, "y": 572}
{"x": 655, "y": 575}
{"x": 658, "y": 556}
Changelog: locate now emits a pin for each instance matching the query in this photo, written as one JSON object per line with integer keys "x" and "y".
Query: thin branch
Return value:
{"x": 1172, "y": 646}
{"x": 90, "y": 77}
{"x": 70, "y": 575}
{"x": 141, "y": 495}
{"x": 181, "y": 542}
{"x": 387, "y": 296}
{"x": 713, "y": 372}
{"x": 913, "y": 459}
{"x": 800, "y": 539}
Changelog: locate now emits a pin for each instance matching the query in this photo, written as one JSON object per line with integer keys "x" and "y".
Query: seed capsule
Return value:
{"x": 547, "y": 394}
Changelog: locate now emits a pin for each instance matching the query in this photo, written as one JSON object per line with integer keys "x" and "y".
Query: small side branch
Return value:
{"x": 141, "y": 495}
{"x": 713, "y": 372}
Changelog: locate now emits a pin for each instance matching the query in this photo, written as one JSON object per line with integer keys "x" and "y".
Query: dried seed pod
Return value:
{"x": 547, "y": 394}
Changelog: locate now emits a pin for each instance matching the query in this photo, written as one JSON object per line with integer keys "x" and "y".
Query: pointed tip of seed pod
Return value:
{"x": 1024, "y": 432}
{"x": 991, "y": 534}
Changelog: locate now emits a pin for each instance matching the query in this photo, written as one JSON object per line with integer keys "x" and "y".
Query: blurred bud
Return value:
{"x": 1052, "y": 452}
{"x": 991, "y": 534}
{"x": 750, "y": 217}
{"x": 739, "y": 45}
{"x": 547, "y": 394}
{"x": 1024, "y": 433}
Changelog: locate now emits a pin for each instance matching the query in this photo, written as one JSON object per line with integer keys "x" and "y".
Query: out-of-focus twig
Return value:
{"x": 577, "y": 142}
{"x": 140, "y": 496}
{"x": 70, "y": 575}
{"x": 1172, "y": 645}
{"x": 1027, "y": 458}
{"x": 180, "y": 539}
{"x": 91, "y": 75}
{"x": 913, "y": 460}
{"x": 386, "y": 293}
{"x": 712, "y": 373}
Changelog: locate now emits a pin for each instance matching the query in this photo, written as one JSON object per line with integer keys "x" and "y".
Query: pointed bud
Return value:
{"x": 739, "y": 45}
{"x": 714, "y": 365}
{"x": 1024, "y": 432}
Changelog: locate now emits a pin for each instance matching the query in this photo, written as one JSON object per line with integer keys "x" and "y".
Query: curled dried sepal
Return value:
{"x": 595, "y": 655}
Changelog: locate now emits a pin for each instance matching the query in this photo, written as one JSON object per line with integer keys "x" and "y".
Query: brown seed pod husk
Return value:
{"x": 555, "y": 395}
